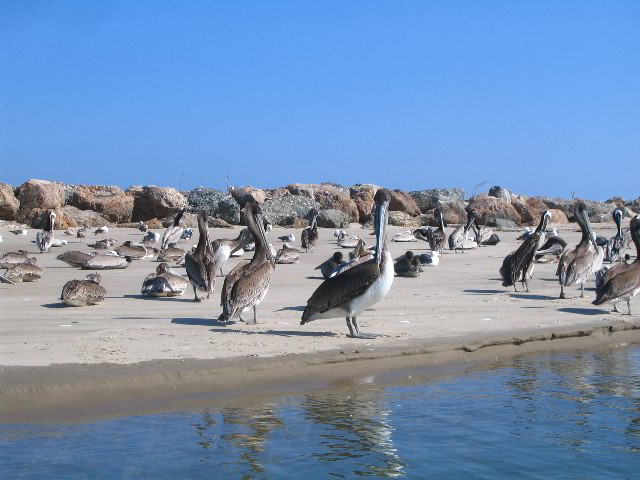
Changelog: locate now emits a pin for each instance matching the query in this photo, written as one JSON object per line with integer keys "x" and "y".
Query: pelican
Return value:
{"x": 348, "y": 242}
{"x": 354, "y": 290}
{"x": 22, "y": 272}
{"x": 607, "y": 272}
{"x": 309, "y": 235}
{"x": 103, "y": 244}
{"x": 81, "y": 293}
{"x": 106, "y": 262}
{"x": 338, "y": 233}
{"x": 142, "y": 226}
{"x": 247, "y": 284}
{"x": 431, "y": 259}
{"x": 101, "y": 230}
{"x": 173, "y": 233}
{"x": 71, "y": 232}
{"x": 287, "y": 238}
{"x": 288, "y": 254}
{"x": 577, "y": 264}
{"x": 81, "y": 234}
{"x": 407, "y": 236}
{"x": 551, "y": 250}
{"x": 21, "y": 231}
{"x": 75, "y": 258}
{"x": 519, "y": 264}
{"x": 615, "y": 246}
{"x": 187, "y": 233}
{"x": 199, "y": 263}
{"x": 458, "y": 237}
{"x": 164, "y": 283}
{"x": 135, "y": 251}
{"x": 359, "y": 251}
{"x": 170, "y": 254}
{"x": 626, "y": 284}
{"x": 58, "y": 242}
{"x": 437, "y": 238}
{"x": 223, "y": 249}
{"x": 328, "y": 266}
{"x": 483, "y": 233}
{"x": 408, "y": 265}
{"x": 44, "y": 239}
{"x": 10, "y": 259}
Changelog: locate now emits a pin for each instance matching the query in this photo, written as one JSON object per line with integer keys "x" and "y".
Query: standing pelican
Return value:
{"x": 354, "y": 290}
{"x": 80, "y": 293}
{"x": 577, "y": 264}
{"x": 519, "y": 264}
{"x": 615, "y": 246}
{"x": 483, "y": 233}
{"x": 44, "y": 239}
{"x": 309, "y": 235}
{"x": 438, "y": 236}
{"x": 199, "y": 263}
{"x": 247, "y": 284}
{"x": 173, "y": 233}
{"x": 459, "y": 236}
{"x": 626, "y": 284}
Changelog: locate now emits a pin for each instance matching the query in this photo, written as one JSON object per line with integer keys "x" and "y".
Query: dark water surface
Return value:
{"x": 560, "y": 415}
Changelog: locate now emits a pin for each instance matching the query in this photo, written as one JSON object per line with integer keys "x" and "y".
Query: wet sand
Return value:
{"x": 133, "y": 353}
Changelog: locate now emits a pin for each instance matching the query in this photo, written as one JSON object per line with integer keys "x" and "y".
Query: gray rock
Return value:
{"x": 9, "y": 203}
{"x": 333, "y": 218}
{"x": 500, "y": 192}
{"x": 593, "y": 208}
{"x": 402, "y": 219}
{"x": 501, "y": 223}
{"x": 429, "y": 199}
{"x": 288, "y": 210}
{"x": 214, "y": 203}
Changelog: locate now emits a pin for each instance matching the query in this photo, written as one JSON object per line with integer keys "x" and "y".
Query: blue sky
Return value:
{"x": 542, "y": 97}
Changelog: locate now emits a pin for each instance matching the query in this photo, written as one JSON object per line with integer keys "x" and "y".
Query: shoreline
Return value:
{"x": 73, "y": 393}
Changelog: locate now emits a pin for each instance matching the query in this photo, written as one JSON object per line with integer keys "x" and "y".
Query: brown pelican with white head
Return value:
{"x": 247, "y": 284}
{"x": 459, "y": 236}
{"x": 199, "y": 263}
{"x": 358, "y": 288}
{"x": 518, "y": 265}
{"x": 577, "y": 264}
{"x": 81, "y": 293}
{"x": 173, "y": 233}
{"x": 615, "y": 246}
{"x": 626, "y": 284}
{"x": 44, "y": 239}
{"x": 309, "y": 235}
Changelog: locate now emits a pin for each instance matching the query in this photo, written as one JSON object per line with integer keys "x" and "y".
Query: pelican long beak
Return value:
{"x": 380, "y": 223}
{"x": 263, "y": 235}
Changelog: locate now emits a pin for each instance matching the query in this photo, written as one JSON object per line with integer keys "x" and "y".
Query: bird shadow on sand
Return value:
{"x": 473, "y": 291}
{"x": 222, "y": 327}
{"x": 527, "y": 296}
{"x": 298, "y": 308}
{"x": 315, "y": 277}
{"x": 53, "y": 305}
{"x": 583, "y": 311}
{"x": 162, "y": 299}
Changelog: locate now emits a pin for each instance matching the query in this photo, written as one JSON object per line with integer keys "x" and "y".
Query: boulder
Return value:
{"x": 537, "y": 204}
{"x": 244, "y": 195}
{"x": 401, "y": 201}
{"x": 427, "y": 200}
{"x": 328, "y": 196}
{"x": 214, "y": 203}
{"x": 528, "y": 214}
{"x": 489, "y": 208}
{"x": 502, "y": 223}
{"x": 363, "y": 195}
{"x": 616, "y": 201}
{"x": 155, "y": 202}
{"x": 333, "y": 218}
{"x": 288, "y": 210}
{"x": 453, "y": 212}
{"x": 403, "y": 219}
{"x": 111, "y": 202}
{"x": 501, "y": 193}
{"x": 213, "y": 222}
{"x": 595, "y": 209}
{"x": 558, "y": 217}
{"x": 66, "y": 217}
{"x": 41, "y": 194}
{"x": 9, "y": 204}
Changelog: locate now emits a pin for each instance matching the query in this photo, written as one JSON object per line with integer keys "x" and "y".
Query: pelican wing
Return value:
{"x": 340, "y": 289}
{"x": 196, "y": 271}
{"x": 90, "y": 291}
{"x": 625, "y": 284}
{"x": 524, "y": 256}
{"x": 248, "y": 289}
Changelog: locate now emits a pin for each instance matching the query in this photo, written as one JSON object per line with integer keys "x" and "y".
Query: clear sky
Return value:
{"x": 542, "y": 97}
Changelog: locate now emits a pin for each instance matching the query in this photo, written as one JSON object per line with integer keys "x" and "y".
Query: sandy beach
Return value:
{"x": 134, "y": 353}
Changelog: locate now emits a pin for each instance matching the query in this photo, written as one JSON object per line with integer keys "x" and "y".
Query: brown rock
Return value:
{"x": 403, "y": 219}
{"x": 111, "y": 202}
{"x": 330, "y": 197}
{"x": 488, "y": 208}
{"x": 244, "y": 195}
{"x": 41, "y": 194}
{"x": 9, "y": 204}
{"x": 537, "y": 204}
{"x": 453, "y": 212}
{"x": 155, "y": 202}
{"x": 401, "y": 201}
{"x": 528, "y": 214}
{"x": 363, "y": 195}
{"x": 558, "y": 216}
{"x": 66, "y": 217}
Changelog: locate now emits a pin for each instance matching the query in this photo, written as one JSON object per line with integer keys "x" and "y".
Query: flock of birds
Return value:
{"x": 351, "y": 284}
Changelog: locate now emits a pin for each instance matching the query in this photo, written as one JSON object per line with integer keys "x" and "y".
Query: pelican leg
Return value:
{"x": 525, "y": 284}
{"x": 629, "y": 305}
{"x": 615, "y": 308}
{"x": 582, "y": 290}
{"x": 351, "y": 330}
{"x": 255, "y": 315}
{"x": 195, "y": 292}
{"x": 355, "y": 326}
{"x": 562, "y": 292}
{"x": 221, "y": 272}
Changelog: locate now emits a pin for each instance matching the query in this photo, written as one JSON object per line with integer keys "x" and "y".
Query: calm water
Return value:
{"x": 574, "y": 415}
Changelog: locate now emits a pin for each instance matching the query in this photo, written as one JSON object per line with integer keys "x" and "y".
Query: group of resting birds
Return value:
{"x": 350, "y": 285}
{"x": 615, "y": 283}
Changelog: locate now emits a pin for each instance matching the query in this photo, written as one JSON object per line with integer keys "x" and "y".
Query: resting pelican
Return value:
{"x": 309, "y": 235}
{"x": 247, "y": 284}
{"x": 199, "y": 263}
{"x": 101, "y": 230}
{"x": 135, "y": 251}
{"x": 10, "y": 259}
{"x": 22, "y": 231}
{"x": 358, "y": 288}
{"x": 288, "y": 254}
{"x": 173, "y": 233}
{"x": 106, "y": 262}
{"x": 626, "y": 284}
{"x": 44, "y": 239}
{"x": 348, "y": 242}
{"x": 577, "y": 264}
{"x": 615, "y": 246}
{"x": 327, "y": 267}
{"x": 518, "y": 265}
{"x": 23, "y": 272}
{"x": 81, "y": 293}
{"x": 408, "y": 265}
{"x": 459, "y": 236}
{"x": 164, "y": 283}
{"x": 75, "y": 258}
{"x": 287, "y": 238}
{"x": 170, "y": 254}
{"x": 432, "y": 259}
